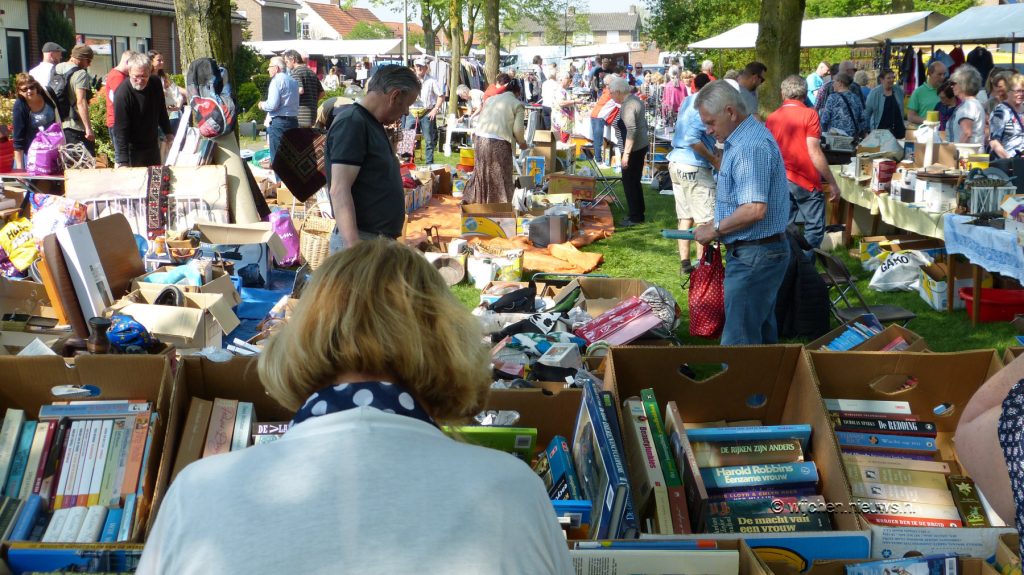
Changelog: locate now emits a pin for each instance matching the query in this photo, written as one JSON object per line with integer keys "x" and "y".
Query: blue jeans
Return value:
{"x": 428, "y": 128}
{"x": 753, "y": 275}
{"x": 808, "y": 207}
{"x": 597, "y": 133}
{"x": 278, "y": 126}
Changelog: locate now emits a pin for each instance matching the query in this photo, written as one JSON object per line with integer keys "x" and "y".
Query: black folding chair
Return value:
{"x": 844, "y": 296}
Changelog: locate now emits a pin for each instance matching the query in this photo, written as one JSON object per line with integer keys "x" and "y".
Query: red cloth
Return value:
{"x": 114, "y": 79}
{"x": 957, "y": 54}
{"x": 605, "y": 108}
{"x": 693, "y": 85}
{"x": 791, "y": 125}
{"x": 493, "y": 90}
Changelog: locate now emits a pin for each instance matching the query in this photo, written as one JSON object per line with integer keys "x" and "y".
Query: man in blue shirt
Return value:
{"x": 281, "y": 105}
{"x": 689, "y": 166}
{"x": 751, "y": 213}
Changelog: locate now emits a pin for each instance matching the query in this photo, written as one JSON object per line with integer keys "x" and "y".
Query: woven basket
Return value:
{"x": 315, "y": 239}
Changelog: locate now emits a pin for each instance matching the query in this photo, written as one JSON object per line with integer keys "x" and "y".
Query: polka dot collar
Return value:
{"x": 385, "y": 396}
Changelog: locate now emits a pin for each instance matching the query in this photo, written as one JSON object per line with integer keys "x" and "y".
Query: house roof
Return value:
{"x": 342, "y": 21}
{"x": 396, "y": 28}
{"x": 599, "y": 22}
{"x": 288, "y": 4}
{"x": 161, "y": 7}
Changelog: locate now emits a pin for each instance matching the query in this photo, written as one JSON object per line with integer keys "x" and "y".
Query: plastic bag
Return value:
{"x": 43, "y": 157}
{"x": 281, "y": 222}
{"x": 899, "y": 271}
{"x": 16, "y": 239}
{"x": 52, "y": 213}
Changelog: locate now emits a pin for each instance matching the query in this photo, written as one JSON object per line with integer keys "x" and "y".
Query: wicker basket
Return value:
{"x": 315, "y": 239}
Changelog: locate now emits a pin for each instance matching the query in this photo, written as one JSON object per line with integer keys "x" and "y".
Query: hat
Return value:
{"x": 420, "y": 62}
{"x": 52, "y": 47}
{"x": 81, "y": 51}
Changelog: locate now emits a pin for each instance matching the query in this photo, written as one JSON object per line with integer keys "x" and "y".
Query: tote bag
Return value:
{"x": 707, "y": 295}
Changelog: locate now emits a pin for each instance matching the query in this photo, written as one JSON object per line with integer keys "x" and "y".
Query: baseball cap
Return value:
{"x": 81, "y": 51}
{"x": 52, "y": 47}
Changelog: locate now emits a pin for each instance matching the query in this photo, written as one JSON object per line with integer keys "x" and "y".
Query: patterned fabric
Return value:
{"x": 492, "y": 181}
{"x": 752, "y": 170}
{"x": 707, "y": 295}
{"x": 844, "y": 111}
{"x": 1011, "y": 432}
{"x": 1005, "y": 125}
{"x": 563, "y": 117}
{"x": 828, "y": 89}
{"x": 129, "y": 336}
{"x": 382, "y": 395}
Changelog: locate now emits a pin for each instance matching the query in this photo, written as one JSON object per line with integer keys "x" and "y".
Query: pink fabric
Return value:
{"x": 673, "y": 96}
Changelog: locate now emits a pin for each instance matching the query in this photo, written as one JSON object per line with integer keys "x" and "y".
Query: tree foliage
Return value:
{"x": 370, "y": 31}
{"x": 675, "y": 24}
{"x": 564, "y": 18}
{"x": 55, "y": 27}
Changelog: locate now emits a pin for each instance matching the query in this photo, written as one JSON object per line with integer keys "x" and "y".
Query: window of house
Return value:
{"x": 522, "y": 39}
{"x": 287, "y": 22}
{"x": 304, "y": 27}
{"x": 582, "y": 39}
{"x": 613, "y": 36}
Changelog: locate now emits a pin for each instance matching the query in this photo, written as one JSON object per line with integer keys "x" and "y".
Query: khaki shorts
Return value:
{"x": 694, "y": 192}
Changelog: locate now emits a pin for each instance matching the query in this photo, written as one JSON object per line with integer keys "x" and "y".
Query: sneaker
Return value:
{"x": 628, "y": 223}
{"x": 685, "y": 268}
{"x": 603, "y": 165}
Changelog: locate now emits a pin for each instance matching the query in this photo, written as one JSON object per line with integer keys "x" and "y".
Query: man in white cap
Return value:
{"x": 431, "y": 96}
{"x": 52, "y": 53}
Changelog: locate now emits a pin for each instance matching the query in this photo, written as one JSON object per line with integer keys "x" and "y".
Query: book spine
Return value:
{"x": 911, "y": 521}
{"x": 124, "y": 530}
{"x": 92, "y": 445}
{"x": 143, "y": 475}
{"x": 261, "y": 439}
{"x": 781, "y": 523}
{"x": 628, "y": 528}
{"x": 12, "y": 507}
{"x": 747, "y": 476}
{"x": 222, "y": 424}
{"x": 73, "y": 524}
{"x": 53, "y": 530}
{"x": 9, "y": 432}
{"x": 43, "y": 434}
{"x": 768, "y": 506}
{"x": 884, "y": 426}
{"x": 111, "y": 525}
{"x": 801, "y": 432}
{"x": 967, "y": 501}
{"x": 95, "y": 483}
{"x": 747, "y": 453}
{"x": 678, "y": 512}
{"x": 881, "y": 442}
{"x": 118, "y": 433}
{"x": 92, "y": 411}
{"x": 868, "y": 406}
{"x": 27, "y": 518}
{"x": 67, "y": 462}
{"x": 938, "y": 564}
{"x": 650, "y": 494}
{"x": 122, "y": 462}
{"x": 892, "y": 455}
{"x": 92, "y": 526}
{"x": 243, "y": 423}
{"x": 20, "y": 461}
{"x": 737, "y": 495}
{"x": 560, "y": 462}
{"x": 901, "y": 493}
{"x": 868, "y": 506}
{"x": 270, "y": 428}
{"x": 894, "y": 460}
{"x": 134, "y": 462}
{"x": 48, "y": 478}
{"x": 893, "y": 475}
{"x": 589, "y": 430}
{"x": 693, "y": 484}
{"x": 867, "y": 415}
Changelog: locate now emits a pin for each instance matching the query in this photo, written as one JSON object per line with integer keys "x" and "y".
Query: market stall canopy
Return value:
{"x": 834, "y": 32}
{"x": 598, "y": 50}
{"x": 992, "y": 24}
{"x": 330, "y": 47}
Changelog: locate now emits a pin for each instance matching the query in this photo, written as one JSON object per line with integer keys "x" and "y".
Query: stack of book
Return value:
{"x": 856, "y": 333}
{"x": 655, "y": 556}
{"x": 220, "y": 426}
{"x": 943, "y": 564}
{"x": 893, "y": 463}
{"x": 75, "y": 475}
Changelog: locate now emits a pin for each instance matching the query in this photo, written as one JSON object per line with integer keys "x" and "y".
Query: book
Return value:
{"x": 868, "y": 406}
{"x": 726, "y": 454}
{"x": 14, "y": 419}
{"x": 944, "y": 564}
{"x": 99, "y": 468}
{"x": 73, "y": 524}
{"x": 222, "y": 425}
{"x": 686, "y": 461}
{"x": 898, "y": 344}
{"x": 679, "y": 513}
{"x": 193, "y": 436}
{"x": 654, "y": 544}
{"x": 887, "y": 460}
{"x": 33, "y": 467}
{"x": 892, "y": 455}
{"x": 92, "y": 526}
{"x": 893, "y": 474}
{"x": 767, "y": 475}
{"x": 629, "y": 528}
{"x": 243, "y": 422}
{"x": 144, "y": 477}
{"x": 758, "y": 516}
{"x": 48, "y": 478}
{"x": 261, "y": 439}
{"x": 573, "y": 514}
{"x": 28, "y": 557}
{"x": 905, "y": 514}
{"x": 602, "y": 478}
{"x": 555, "y": 468}
{"x": 133, "y": 463}
{"x": 763, "y": 493}
{"x": 650, "y": 494}
{"x": 27, "y": 518}
{"x": 883, "y": 442}
{"x": 968, "y": 501}
{"x": 20, "y": 461}
{"x": 118, "y": 444}
{"x": 901, "y": 493}
{"x": 270, "y": 427}
{"x": 88, "y": 465}
{"x": 111, "y": 525}
{"x": 53, "y": 530}
{"x": 121, "y": 459}
{"x": 863, "y": 414}
{"x": 897, "y": 426}
{"x": 629, "y": 561}
{"x": 801, "y": 432}
{"x": 93, "y": 410}
{"x": 127, "y": 514}
{"x": 519, "y": 441}
{"x": 69, "y": 462}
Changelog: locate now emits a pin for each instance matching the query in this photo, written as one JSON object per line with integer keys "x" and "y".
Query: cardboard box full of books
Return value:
{"x": 769, "y": 386}
{"x": 31, "y": 384}
{"x": 932, "y": 389}
{"x": 894, "y": 337}
{"x": 965, "y": 566}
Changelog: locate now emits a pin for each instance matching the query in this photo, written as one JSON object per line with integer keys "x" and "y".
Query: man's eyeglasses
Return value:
{"x": 1018, "y": 90}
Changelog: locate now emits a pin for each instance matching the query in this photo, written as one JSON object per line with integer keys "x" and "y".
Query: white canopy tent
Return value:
{"x": 981, "y": 24}
{"x": 834, "y": 32}
{"x": 330, "y": 47}
{"x": 597, "y": 50}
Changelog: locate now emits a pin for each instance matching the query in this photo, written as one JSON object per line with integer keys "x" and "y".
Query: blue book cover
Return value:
{"x": 628, "y": 529}
{"x": 578, "y": 512}
{"x": 13, "y": 486}
{"x": 128, "y": 511}
{"x": 82, "y": 558}
{"x": 800, "y": 432}
{"x": 92, "y": 410}
{"x": 111, "y": 525}
{"x": 27, "y": 518}
{"x": 884, "y": 442}
{"x": 944, "y": 564}
{"x": 760, "y": 476}
{"x": 555, "y": 467}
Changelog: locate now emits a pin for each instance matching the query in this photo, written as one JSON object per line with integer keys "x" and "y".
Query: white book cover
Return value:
{"x": 56, "y": 526}
{"x": 645, "y": 468}
{"x": 14, "y": 419}
{"x": 35, "y": 454}
{"x": 87, "y": 275}
{"x": 243, "y": 426}
{"x": 69, "y": 465}
{"x": 654, "y": 562}
{"x": 869, "y": 406}
{"x": 73, "y": 524}
{"x": 84, "y": 478}
{"x": 106, "y": 429}
{"x": 92, "y": 526}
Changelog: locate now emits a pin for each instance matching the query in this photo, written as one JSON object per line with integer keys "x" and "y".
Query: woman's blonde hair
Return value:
{"x": 380, "y": 309}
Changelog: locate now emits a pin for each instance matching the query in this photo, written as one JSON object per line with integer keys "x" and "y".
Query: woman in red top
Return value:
{"x": 501, "y": 82}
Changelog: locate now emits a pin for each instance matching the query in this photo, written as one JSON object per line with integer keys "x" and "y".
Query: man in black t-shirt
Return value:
{"x": 364, "y": 177}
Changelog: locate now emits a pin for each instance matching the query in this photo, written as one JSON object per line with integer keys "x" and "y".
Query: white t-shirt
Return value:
{"x": 430, "y": 91}
{"x": 970, "y": 109}
{"x": 42, "y": 73}
{"x": 549, "y": 92}
{"x": 358, "y": 491}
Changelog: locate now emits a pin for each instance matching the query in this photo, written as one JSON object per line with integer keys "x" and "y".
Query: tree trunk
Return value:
{"x": 492, "y": 40}
{"x": 778, "y": 47}
{"x": 204, "y": 31}
{"x": 471, "y": 14}
{"x": 455, "y": 37}
{"x": 429, "y": 32}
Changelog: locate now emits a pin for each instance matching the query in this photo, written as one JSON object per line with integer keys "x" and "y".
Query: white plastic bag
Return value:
{"x": 899, "y": 271}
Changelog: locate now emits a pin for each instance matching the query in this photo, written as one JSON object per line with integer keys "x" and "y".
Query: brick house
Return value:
{"x": 325, "y": 21}
{"x": 605, "y": 28}
{"x": 109, "y": 26}
{"x": 270, "y": 19}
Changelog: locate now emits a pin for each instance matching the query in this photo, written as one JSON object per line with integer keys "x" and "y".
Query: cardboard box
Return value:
{"x": 12, "y": 342}
{"x": 24, "y": 296}
{"x": 933, "y": 284}
{"x": 941, "y": 378}
{"x": 581, "y": 187}
{"x": 220, "y": 284}
{"x": 1008, "y": 554}
{"x": 28, "y": 383}
{"x": 1011, "y": 354}
{"x": 598, "y": 295}
{"x": 545, "y": 146}
{"x": 488, "y": 220}
{"x": 767, "y": 383}
{"x": 967, "y": 566}
{"x": 251, "y": 246}
{"x": 199, "y": 323}
{"x": 882, "y": 170}
{"x": 875, "y": 342}
{"x": 871, "y": 246}
{"x": 944, "y": 154}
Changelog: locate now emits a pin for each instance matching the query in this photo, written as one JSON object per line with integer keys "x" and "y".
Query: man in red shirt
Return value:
{"x": 114, "y": 78}
{"x": 797, "y": 130}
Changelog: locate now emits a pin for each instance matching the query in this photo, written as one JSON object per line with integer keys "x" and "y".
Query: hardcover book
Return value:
{"x": 693, "y": 484}
{"x": 801, "y": 432}
{"x": 222, "y": 425}
{"x": 555, "y": 468}
{"x": 767, "y": 475}
{"x": 726, "y": 454}
{"x": 649, "y": 490}
{"x": 680, "y": 515}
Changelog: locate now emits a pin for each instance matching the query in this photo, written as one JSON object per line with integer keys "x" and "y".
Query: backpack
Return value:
{"x": 210, "y": 97}
{"x": 60, "y": 89}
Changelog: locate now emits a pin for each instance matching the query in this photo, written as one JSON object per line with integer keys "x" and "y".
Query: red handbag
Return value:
{"x": 707, "y": 295}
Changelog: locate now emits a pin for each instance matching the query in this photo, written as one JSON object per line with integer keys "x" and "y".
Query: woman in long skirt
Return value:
{"x": 500, "y": 124}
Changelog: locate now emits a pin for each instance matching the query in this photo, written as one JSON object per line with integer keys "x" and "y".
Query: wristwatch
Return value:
{"x": 718, "y": 234}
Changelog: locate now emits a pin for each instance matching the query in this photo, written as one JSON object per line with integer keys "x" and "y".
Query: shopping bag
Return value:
{"x": 43, "y": 157}
{"x": 300, "y": 163}
{"x": 281, "y": 222}
{"x": 707, "y": 295}
{"x": 899, "y": 271}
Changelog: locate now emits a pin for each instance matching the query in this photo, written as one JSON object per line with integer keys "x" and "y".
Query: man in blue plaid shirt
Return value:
{"x": 751, "y": 213}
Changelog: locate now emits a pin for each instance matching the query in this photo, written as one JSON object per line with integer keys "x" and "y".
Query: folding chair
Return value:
{"x": 605, "y": 184}
{"x": 842, "y": 288}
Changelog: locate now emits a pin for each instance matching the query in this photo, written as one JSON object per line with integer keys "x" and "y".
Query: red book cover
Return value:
{"x": 627, "y": 321}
